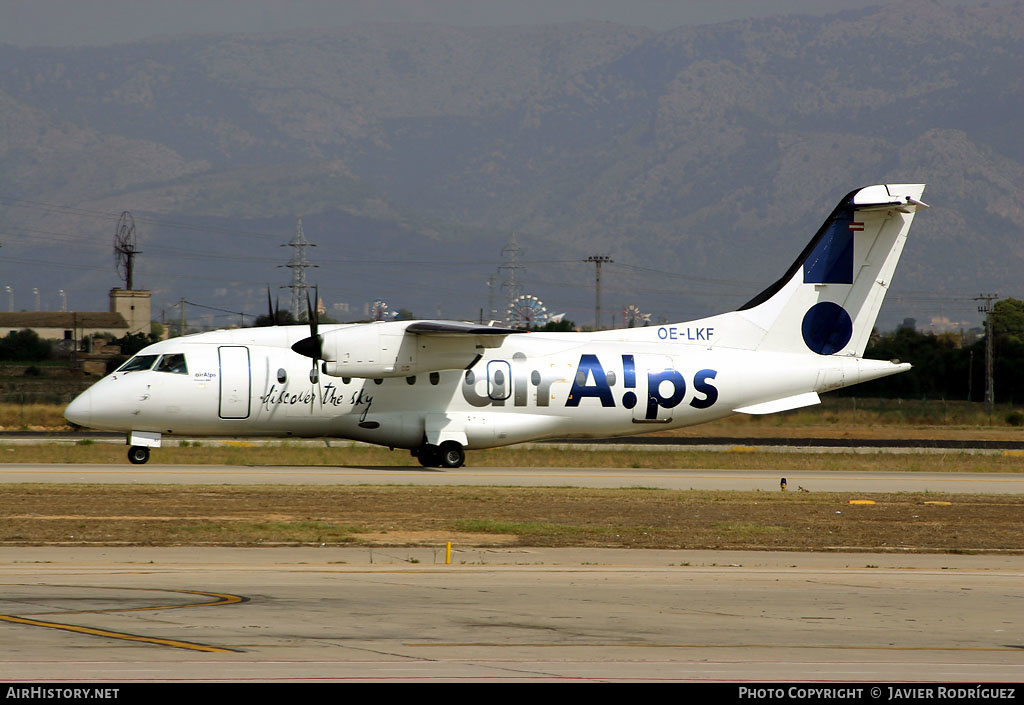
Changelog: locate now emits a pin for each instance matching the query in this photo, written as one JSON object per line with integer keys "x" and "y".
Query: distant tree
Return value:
{"x": 945, "y": 368}
{"x": 284, "y": 318}
{"x": 1008, "y": 321}
{"x": 874, "y": 337}
{"x": 1008, "y": 350}
{"x": 132, "y": 343}
{"x": 939, "y": 366}
{"x": 563, "y": 326}
{"x": 24, "y": 346}
{"x": 955, "y": 340}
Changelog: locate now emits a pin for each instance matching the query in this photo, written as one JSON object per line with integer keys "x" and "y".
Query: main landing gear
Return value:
{"x": 447, "y": 455}
{"x": 138, "y": 455}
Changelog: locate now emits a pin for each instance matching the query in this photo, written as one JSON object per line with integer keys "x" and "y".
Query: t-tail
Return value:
{"x": 828, "y": 300}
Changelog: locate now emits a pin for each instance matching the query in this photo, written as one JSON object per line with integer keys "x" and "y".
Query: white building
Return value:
{"x": 134, "y": 305}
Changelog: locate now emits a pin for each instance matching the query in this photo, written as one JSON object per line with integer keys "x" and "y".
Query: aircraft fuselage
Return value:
{"x": 438, "y": 387}
{"x": 249, "y": 383}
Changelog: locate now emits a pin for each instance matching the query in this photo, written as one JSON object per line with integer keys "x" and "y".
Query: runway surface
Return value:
{"x": 710, "y": 479}
{"x": 125, "y": 615}
{"x": 802, "y": 444}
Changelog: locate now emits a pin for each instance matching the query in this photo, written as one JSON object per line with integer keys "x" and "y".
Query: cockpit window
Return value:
{"x": 174, "y": 362}
{"x": 139, "y": 362}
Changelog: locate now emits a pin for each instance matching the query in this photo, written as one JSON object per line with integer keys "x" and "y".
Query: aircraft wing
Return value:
{"x": 457, "y": 328}
{"x": 401, "y": 348}
{"x": 445, "y": 334}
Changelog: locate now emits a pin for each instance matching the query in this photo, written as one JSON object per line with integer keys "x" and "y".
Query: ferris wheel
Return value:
{"x": 378, "y": 310}
{"x": 632, "y": 317}
{"x": 526, "y": 311}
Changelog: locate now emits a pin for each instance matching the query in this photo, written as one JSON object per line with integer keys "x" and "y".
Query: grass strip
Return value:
{"x": 161, "y": 515}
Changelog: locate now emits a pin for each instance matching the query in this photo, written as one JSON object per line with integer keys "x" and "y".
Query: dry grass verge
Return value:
{"x": 470, "y": 516}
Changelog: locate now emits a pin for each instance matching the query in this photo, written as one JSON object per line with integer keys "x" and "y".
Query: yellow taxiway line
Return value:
{"x": 220, "y": 599}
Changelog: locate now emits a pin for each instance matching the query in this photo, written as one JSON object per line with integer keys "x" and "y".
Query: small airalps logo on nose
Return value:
{"x": 827, "y": 328}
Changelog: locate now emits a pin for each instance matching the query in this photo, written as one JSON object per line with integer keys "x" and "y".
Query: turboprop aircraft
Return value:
{"x": 438, "y": 388}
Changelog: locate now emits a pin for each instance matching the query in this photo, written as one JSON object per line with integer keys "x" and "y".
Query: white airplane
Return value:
{"x": 438, "y": 388}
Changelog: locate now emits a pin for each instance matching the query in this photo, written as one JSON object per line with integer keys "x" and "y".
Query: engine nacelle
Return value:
{"x": 375, "y": 350}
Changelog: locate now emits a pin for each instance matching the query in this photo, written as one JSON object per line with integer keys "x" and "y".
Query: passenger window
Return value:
{"x": 174, "y": 363}
{"x": 137, "y": 363}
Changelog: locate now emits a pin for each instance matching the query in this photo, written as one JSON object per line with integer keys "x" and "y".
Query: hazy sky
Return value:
{"x": 81, "y": 22}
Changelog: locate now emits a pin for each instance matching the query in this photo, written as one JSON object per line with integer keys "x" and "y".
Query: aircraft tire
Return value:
{"x": 452, "y": 455}
{"x": 138, "y": 455}
{"x": 429, "y": 455}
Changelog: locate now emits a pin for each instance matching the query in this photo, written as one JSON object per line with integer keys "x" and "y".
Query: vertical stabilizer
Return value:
{"x": 827, "y": 302}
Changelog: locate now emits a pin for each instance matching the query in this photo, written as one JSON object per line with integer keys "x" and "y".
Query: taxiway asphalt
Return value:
{"x": 232, "y": 615}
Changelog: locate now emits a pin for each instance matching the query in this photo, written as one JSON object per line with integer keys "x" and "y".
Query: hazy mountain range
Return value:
{"x": 701, "y": 159}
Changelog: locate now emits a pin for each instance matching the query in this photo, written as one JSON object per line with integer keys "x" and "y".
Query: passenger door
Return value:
{"x": 235, "y": 387}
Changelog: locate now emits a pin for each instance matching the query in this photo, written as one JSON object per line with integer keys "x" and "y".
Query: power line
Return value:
{"x": 597, "y": 261}
{"x": 511, "y": 266}
{"x": 299, "y": 263}
{"x": 222, "y": 310}
{"x": 986, "y": 308}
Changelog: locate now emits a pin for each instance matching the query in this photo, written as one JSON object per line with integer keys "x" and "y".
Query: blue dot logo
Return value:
{"x": 629, "y": 400}
{"x": 827, "y": 328}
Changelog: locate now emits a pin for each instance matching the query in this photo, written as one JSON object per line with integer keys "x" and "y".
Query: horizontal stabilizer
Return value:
{"x": 771, "y": 407}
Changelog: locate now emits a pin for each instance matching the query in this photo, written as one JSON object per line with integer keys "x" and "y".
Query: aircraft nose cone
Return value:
{"x": 79, "y": 411}
{"x": 310, "y": 347}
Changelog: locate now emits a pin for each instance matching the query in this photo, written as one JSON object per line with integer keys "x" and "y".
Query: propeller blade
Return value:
{"x": 312, "y": 317}
{"x": 313, "y": 346}
{"x": 273, "y": 309}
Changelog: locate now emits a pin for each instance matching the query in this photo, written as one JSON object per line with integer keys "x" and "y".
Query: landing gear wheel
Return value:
{"x": 138, "y": 455}
{"x": 429, "y": 456}
{"x": 452, "y": 455}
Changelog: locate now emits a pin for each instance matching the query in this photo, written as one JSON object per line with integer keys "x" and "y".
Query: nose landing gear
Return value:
{"x": 139, "y": 443}
{"x": 138, "y": 455}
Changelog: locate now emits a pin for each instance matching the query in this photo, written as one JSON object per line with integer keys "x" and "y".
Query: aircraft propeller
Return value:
{"x": 313, "y": 316}
{"x": 313, "y": 345}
